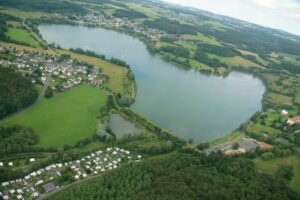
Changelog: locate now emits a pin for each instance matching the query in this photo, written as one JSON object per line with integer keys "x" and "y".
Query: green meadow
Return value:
{"x": 65, "y": 118}
{"x": 22, "y": 35}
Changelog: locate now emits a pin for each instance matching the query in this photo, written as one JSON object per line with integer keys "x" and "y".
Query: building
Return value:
{"x": 97, "y": 83}
{"x": 49, "y": 187}
{"x": 293, "y": 120}
{"x": 233, "y": 152}
{"x": 264, "y": 146}
{"x": 284, "y": 113}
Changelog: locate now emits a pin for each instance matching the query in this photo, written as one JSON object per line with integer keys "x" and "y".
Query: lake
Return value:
{"x": 121, "y": 127}
{"x": 191, "y": 104}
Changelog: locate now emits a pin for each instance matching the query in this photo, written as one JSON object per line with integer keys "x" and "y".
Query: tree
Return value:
{"x": 48, "y": 93}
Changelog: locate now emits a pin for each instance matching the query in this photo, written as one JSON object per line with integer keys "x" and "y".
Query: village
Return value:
{"x": 115, "y": 23}
{"x": 57, "y": 72}
{"x": 244, "y": 144}
{"x": 48, "y": 179}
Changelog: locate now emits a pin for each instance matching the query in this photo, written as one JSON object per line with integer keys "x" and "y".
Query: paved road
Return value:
{"x": 46, "y": 85}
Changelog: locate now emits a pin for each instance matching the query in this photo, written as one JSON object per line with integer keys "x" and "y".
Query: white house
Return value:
{"x": 4, "y": 184}
{"x": 19, "y": 191}
{"x": 39, "y": 182}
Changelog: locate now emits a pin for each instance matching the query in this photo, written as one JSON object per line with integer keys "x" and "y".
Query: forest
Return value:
{"x": 185, "y": 175}
{"x": 16, "y": 92}
{"x": 177, "y": 51}
{"x": 171, "y": 26}
{"x": 16, "y": 139}
{"x": 129, "y": 14}
{"x": 51, "y": 6}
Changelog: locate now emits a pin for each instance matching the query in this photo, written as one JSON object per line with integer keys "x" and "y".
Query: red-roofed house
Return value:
{"x": 293, "y": 120}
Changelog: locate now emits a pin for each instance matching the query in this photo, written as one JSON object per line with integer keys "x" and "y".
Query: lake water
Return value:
{"x": 122, "y": 127}
{"x": 193, "y": 105}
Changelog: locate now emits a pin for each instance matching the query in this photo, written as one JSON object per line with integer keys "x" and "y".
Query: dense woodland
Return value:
{"x": 16, "y": 139}
{"x": 184, "y": 176}
{"x": 172, "y": 26}
{"x": 43, "y": 6}
{"x": 3, "y": 25}
{"x": 129, "y": 14}
{"x": 16, "y": 92}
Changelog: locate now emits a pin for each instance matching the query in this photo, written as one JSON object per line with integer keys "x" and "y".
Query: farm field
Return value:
{"x": 22, "y": 35}
{"x": 271, "y": 166}
{"x": 65, "y": 118}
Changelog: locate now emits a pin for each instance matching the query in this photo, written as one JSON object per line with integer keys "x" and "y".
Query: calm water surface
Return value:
{"x": 193, "y": 105}
{"x": 122, "y": 127}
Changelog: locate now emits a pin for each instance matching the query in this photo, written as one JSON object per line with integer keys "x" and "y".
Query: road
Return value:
{"x": 46, "y": 195}
{"x": 46, "y": 85}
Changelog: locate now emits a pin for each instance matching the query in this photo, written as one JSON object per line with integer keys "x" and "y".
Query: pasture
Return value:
{"x": 23, "y": 36}
{"x": 65, "y": 118}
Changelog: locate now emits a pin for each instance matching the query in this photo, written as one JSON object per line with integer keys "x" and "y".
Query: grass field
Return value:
{"x": 201, "y": 38}
{"x": 297, "y": 98}
{"x": 146, "y": 10}
{"x": 22, "y": 35}
{"x": 65, "y": 118}
{"x": 280, "y": 99}
{"x": 23, "y": 14}
{"x": 259, "y": 128}
{"x": 27, "y": 48}
{"x": 271, "y": 166}
{"x": 234, "y": 135}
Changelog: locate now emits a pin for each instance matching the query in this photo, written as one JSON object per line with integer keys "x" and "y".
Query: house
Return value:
{"x": 284, "y": 113}
{"x": 19, "y": 197}
{"x": 264, "y": 146}
{"x": 39, "y": 182}
{"x": 233, "y": 152}
{"x": 10, "y": 164}
{"x": 31, "y": 160}
{"x": 49, "y": 187}
{"x": 293, "y": 120}
{"x": 19, "y": 191}
{"x": 5, "y": 184}
{"x": 35, "y": 195}
{"x": 1, "y": 164}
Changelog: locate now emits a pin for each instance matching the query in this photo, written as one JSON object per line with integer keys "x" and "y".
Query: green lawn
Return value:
{"x": 271, "y": 166}
{"x": 297, "y": 98}
{"x": 22, "y": 35}
{"x": 65, "y": 118}
{"x": 280, "y": 99}
{"x": 232, "y": 136}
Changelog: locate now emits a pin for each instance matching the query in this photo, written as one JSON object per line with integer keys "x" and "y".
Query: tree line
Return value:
{"x": 184, "y": 175}
{"x": 16, "y": 92}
